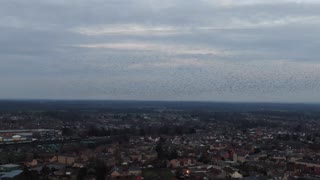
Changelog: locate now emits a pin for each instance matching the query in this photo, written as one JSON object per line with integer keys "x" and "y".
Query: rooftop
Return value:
{"x": 11, "y": 174}
{"x": 9, "y": 166}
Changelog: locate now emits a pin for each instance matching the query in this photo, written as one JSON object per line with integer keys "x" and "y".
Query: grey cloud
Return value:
{"x": 250, "y": 50}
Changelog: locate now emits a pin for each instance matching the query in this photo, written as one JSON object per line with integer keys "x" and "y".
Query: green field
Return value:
{"x": 156, "y": 174}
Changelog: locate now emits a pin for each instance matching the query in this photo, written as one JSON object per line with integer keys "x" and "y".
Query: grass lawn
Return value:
{"x": 155, "y": 174}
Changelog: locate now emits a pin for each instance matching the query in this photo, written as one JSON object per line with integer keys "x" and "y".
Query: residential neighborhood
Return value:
{"x": 160, "y": 144}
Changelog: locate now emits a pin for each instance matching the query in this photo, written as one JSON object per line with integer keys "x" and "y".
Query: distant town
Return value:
{"x": 136, "y": 140}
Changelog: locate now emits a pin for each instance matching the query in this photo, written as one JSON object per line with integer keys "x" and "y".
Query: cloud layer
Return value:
{"x": 212, "y": 50}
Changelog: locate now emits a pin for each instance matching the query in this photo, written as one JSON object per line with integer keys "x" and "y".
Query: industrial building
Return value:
{"x": 24, "y": 135}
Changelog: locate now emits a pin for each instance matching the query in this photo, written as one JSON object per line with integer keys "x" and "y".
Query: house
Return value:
{"x": 118, "y": 172}
{"x": 136, "y": 157}
{"x": 240, "y": 157}
{"x": 224, "y": 154}
{"x": 294, "y": 158}
{"x": 66, "y": 159}
{"x": 174, "y": 163}
{"x": 236, "y": 175}
{"x": 232, "y": 173}
{"x": 278, "y": 156}
{"x": 151, "y": 155}
{"x": 34, "y": 162}
{"x": 53, "y": 159}
{"x": 185, "y": 162}
{"x": 308, "y": 163}
{"x": 136, "y": 171}
{"x": 79, "y": 164}
{"x": 56, "y": 166}
{"x": 218, "y": 146}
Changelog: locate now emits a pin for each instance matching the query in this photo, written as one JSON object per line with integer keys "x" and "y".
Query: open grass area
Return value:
{"x": 155, "y": 174}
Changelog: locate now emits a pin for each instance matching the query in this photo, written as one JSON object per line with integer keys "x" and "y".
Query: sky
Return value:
{"x": 184, "y": 50}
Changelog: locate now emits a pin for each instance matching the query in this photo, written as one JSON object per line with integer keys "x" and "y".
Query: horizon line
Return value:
{"x": 168, "y": 101}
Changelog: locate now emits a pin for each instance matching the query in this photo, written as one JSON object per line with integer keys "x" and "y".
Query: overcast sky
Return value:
{"x": 207, "y": 50}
